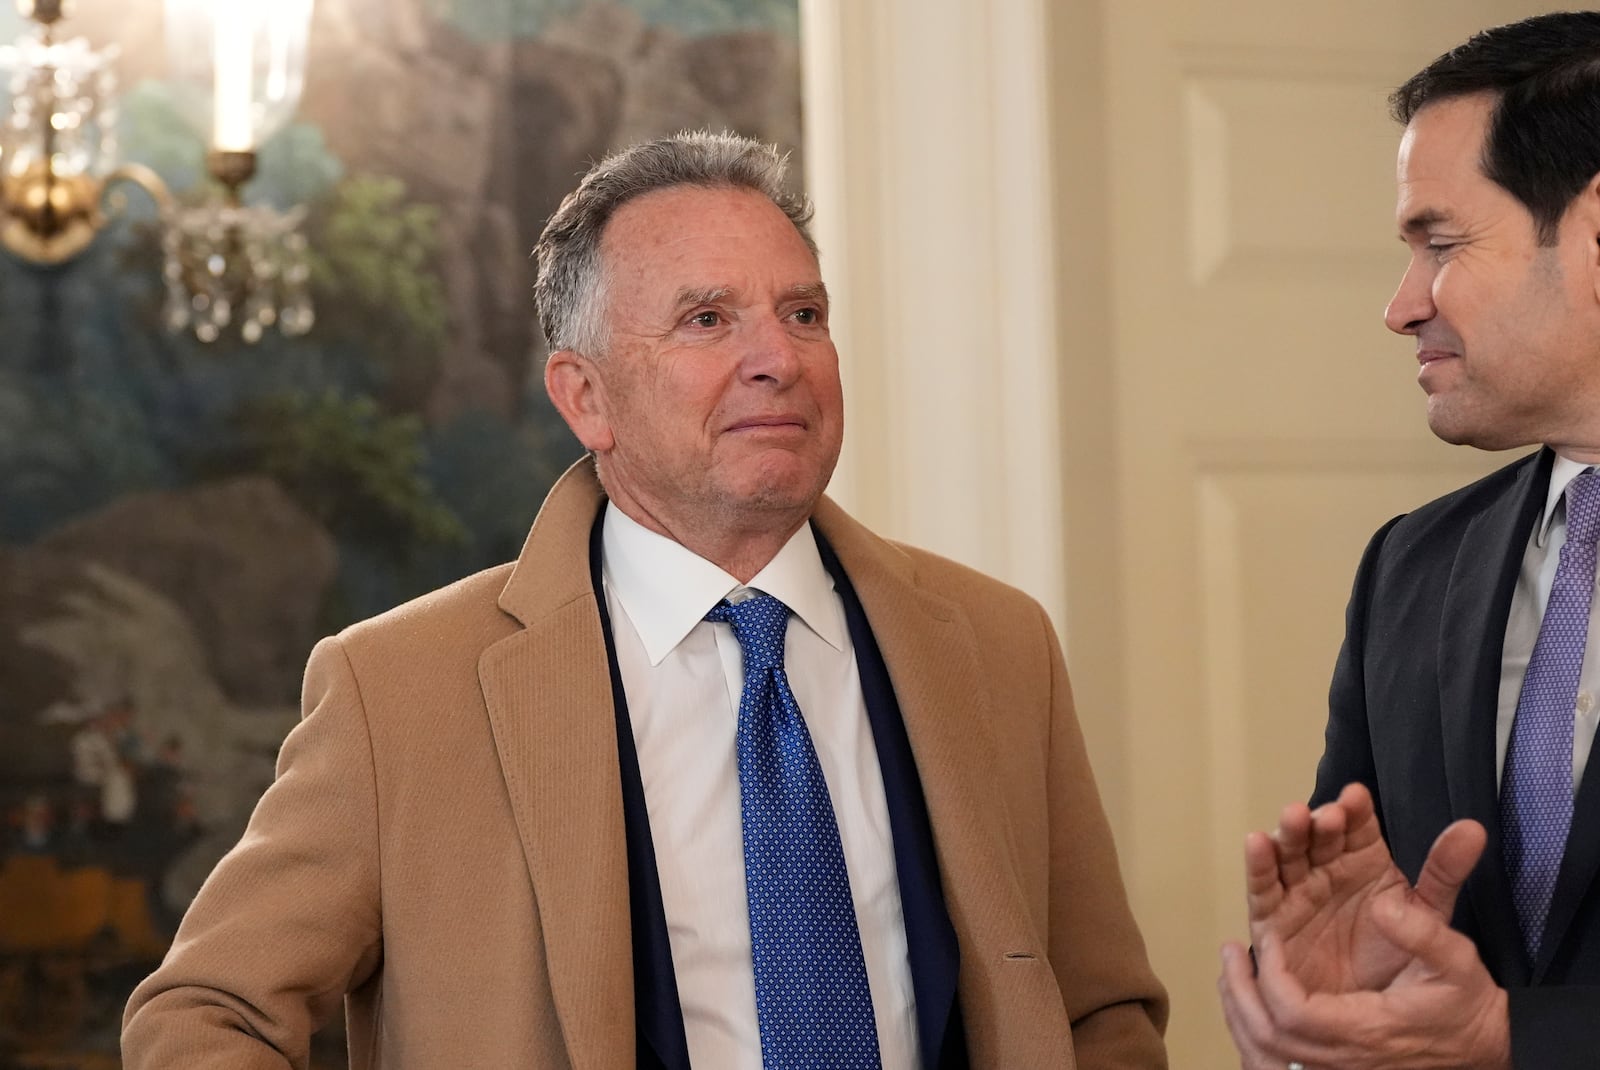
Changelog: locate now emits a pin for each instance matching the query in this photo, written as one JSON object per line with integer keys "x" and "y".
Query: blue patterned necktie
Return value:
{"x": 1536, "y": 786}
{"x": 812, "y": 999}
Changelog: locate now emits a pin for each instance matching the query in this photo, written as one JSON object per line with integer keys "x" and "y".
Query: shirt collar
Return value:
{"x": 667, "y": 588}
{"x": 1563, "y": 472}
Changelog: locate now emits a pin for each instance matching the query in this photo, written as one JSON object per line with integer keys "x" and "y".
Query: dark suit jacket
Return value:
{"x": 1412, "y": 716}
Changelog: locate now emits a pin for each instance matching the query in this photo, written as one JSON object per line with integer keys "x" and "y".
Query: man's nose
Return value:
{"x": 1412, "y": 304}
{"x": 772, "y": 352}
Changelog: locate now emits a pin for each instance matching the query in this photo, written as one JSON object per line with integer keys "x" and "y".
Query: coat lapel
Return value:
{"x": 548, "y": 693}
{"x": 1471, "y": 635}
{"x": 931, "y": 654}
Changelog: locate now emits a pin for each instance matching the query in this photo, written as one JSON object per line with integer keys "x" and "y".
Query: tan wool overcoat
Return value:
{"x": 443, "y": 848}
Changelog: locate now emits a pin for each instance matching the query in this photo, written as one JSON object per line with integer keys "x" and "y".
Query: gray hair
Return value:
{"x": 570, "y": 292}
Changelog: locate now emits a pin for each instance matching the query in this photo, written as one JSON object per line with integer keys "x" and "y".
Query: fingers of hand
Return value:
{"x": 1327, "y": 834}
{"x": 1279, "y": 990}
{"x": 1248, "y": 1022}
{"x": 1450, "y": 862}
{"x": 1361, "y": 817}
{"x": 1263, "y": 890}
{"x": 1293, "y": 842}
{"x": 1273, "y": 1020}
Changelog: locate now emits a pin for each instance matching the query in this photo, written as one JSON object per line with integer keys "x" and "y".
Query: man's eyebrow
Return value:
{"x": 701, "y": 295}
{"x": 1423, "y": 220}
{"x": 690, "y": 296}
{"x": 808, "y": 291}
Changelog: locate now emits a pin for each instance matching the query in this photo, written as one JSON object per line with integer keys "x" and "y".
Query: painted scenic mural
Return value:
{"x": 179, "y": 522}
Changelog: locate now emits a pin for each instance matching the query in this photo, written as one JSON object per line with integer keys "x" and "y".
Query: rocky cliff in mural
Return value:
{"x": 495, "y": 132}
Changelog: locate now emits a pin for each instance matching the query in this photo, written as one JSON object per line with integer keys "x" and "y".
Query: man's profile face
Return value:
{"x": 1505, "y": 328}
{"x": 720, "y": 391}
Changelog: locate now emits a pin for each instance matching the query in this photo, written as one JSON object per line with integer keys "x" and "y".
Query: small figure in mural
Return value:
{"x": 164, "y": 825}
{"x": 712, "y": 774}
{"x": 79, "y": 872}
{"x": 35, "y": 825}
{"x": 129, "y": 810}
{"x": 104, "y": 751}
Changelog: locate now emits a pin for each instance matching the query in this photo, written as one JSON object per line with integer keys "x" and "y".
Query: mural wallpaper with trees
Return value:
{"x": 179, "y": 522}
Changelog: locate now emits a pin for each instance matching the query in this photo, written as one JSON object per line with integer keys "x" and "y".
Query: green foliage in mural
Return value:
{"x": 499, "y": 20}
{"x": 719, "y": 16}
{"x": 377, "y": 286}
{"x": 352, "y": 466}
{"x": 493, "y": 471}
{"x": 294, "y": 167}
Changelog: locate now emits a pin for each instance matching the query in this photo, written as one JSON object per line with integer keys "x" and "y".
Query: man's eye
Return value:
{"x": 1441, "y": 248}
{"x": 807, "y": 316}
{"x": 706, "y": 319}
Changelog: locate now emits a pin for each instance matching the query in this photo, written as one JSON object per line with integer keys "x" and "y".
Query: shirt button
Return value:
{"x": 1585, "y": 702}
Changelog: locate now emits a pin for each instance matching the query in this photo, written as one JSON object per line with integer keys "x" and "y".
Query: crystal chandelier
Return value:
{"x": 238, "y": 67}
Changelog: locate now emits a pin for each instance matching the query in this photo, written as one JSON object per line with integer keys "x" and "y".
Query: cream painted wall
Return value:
{"x": 1109, "y": 280}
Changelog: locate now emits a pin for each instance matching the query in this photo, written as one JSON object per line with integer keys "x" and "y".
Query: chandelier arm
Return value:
{"x": 139, "y": 175}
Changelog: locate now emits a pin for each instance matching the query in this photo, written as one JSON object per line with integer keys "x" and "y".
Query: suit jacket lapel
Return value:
{"x": 932, "y": 658}
{"x": 1471, "y": 635}
{"x": 548, "y": 692}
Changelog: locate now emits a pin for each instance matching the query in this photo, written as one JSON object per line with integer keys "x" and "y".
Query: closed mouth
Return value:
{"x": 775, "y": 423}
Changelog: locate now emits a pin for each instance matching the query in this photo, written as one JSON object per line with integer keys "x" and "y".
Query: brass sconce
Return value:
{"x": 239, "y": 66}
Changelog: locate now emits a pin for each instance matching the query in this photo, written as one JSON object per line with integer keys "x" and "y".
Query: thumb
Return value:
{"x": 1450, "y": 862}
{"x": 1423, "y": 933}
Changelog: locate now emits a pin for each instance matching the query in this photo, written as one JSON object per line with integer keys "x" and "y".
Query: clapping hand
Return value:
{"x": 1358, "y": 968}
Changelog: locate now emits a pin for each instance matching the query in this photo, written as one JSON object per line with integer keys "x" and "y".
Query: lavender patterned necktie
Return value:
{"x": 813, "y": 1003}
{"x": 1536, "y": 786}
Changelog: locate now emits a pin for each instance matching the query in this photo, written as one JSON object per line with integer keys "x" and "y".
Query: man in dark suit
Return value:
{"x": 711, "y": 775}
{"x": 1436, "y": 905}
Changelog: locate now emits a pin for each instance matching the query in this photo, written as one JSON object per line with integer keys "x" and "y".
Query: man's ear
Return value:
{"x": 1585, "y": 210}
{"x": 574, "y": 386}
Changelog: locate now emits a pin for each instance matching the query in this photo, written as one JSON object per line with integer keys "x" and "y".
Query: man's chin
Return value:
{"x": 775, "y": 496}
{"x": 778, "y": 479}
{"x": 1458, "y": 430}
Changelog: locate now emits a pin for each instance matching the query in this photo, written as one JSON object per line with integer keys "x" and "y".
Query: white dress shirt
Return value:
{"x": 683, "y": 679}
{"x": 1522, "y": 627}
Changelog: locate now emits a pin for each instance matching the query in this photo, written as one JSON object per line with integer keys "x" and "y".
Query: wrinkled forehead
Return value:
{"x": 693, "y": 235}
{"x": 687, "y": 210}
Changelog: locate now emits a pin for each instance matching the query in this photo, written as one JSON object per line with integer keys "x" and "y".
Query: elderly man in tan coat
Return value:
{"x": 711, "y": 775}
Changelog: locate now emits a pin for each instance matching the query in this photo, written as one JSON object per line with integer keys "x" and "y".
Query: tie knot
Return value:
{"x": 759, "y": 624}
{"x": 1583, "y": 507}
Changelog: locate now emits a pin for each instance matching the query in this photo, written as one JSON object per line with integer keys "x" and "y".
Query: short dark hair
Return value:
{"x": 570, "y": 289}
{"x": 1543, "y": 143}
